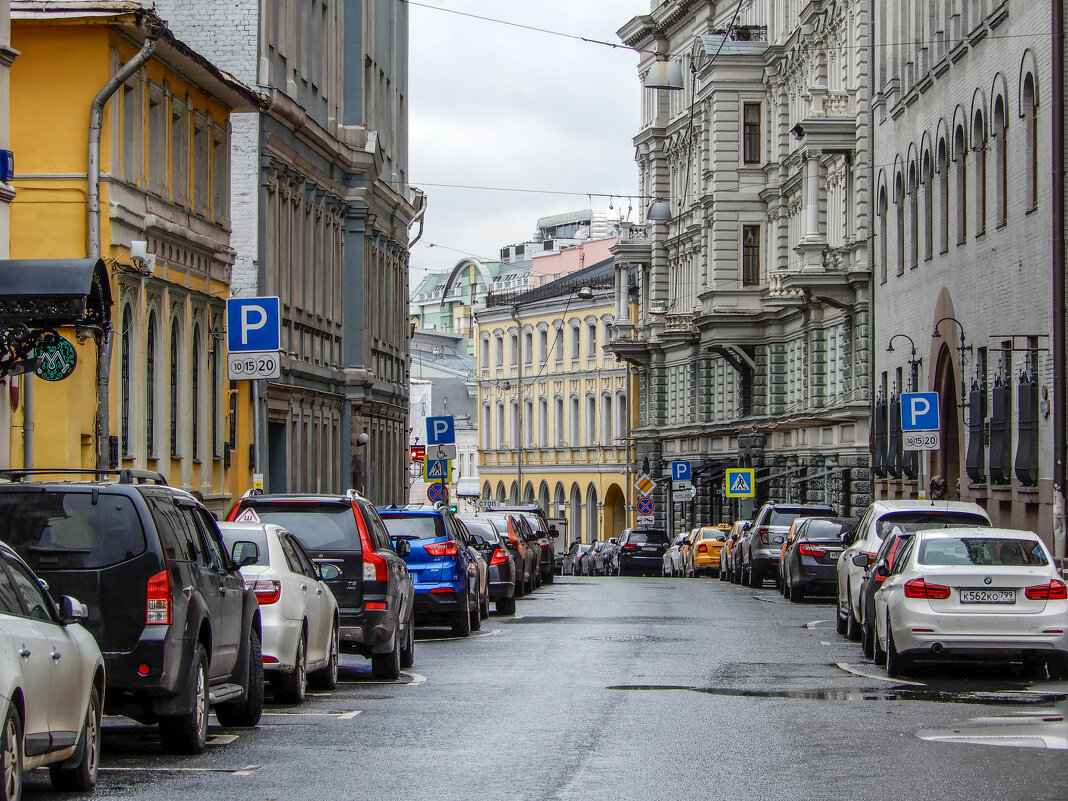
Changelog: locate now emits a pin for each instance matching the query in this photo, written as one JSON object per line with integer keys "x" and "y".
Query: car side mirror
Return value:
{"x": 402, "y": 547}
{"x": 245, "y": 553}
{"x": 328, "y": 571}
{"x": 848, "y": 537}
{"x": 861, "y": 560}
{"x": 72, "y": 611}
{"x": 881, "y": 569}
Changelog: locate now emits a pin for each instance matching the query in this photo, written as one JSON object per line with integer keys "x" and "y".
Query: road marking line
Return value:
{"x": 348, "y": 715}
{"x": 339, "y": 715}
{"x": 827, "y": 642}
{"x": 814, "y": 623}
{"x": 222, "y": 739}
{"x": 492, "y": 633}
{"x": 870, "y": 675}
{"x": 247, "y": 770}
{"x": 416, "y": 679}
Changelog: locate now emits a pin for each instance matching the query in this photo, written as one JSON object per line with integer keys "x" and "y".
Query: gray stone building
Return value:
{"x": 751, "y": 335}
{"x": 322, "y": 208}
{"x": 967, "y": 217}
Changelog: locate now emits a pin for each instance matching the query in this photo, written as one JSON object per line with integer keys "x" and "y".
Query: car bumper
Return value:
{"x": 279, "y": 641}
{"x": 706, "y": 562}
{"x": 444, "y": 602}
{"x": 917, "y": 629}
{"x": 651, "y": 562}
{"x": 764, "y": 561}
{"x": 809, "y": 574}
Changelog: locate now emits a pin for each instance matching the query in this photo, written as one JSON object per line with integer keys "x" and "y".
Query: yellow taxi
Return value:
{"x": 706, "y": 544}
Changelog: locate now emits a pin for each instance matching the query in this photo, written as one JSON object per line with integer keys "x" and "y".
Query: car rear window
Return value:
{"x": 481, "y": 530}
{"x": 823, "y": 530}
{"x": 318, "y": 526}
{"x": 230, "y": 536}
{"x": 999, "y": 551}
{"x": 67, "y": 531}
{"x": 908, "y": 522}
{"x": 424, "y": 527}
{"x": 651, "y": 536}
{"x": 784, "y": 517}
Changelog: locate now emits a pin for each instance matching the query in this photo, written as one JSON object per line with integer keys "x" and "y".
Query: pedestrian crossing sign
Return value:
{"x": 437, "y": 470}
{"x": 740, "y": 482}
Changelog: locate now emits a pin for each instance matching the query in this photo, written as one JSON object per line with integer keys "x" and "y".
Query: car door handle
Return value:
{"x": 24, "y": 652}
{"x": 56, "y": 655}
{"x": 303, "y": 587}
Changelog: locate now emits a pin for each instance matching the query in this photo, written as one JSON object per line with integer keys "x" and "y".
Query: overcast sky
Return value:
{"x": 497, "y": 106}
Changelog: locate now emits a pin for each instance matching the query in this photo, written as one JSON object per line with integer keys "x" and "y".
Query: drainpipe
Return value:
{"x": 1057, "y": 120}
{"x": 96, "y": 121}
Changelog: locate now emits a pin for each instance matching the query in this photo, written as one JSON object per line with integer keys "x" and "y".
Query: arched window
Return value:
{"x": 485, "y": 428}
{"x": 194, "y": 385}
{"x": 558, "y": 421}
{"x": 621, "y": 416}
{"x": 591, "y": 419}
{"x": 591, "y": 341}
{"x": 914, "y": 218}
{"x": 943, "y": 196}
{"x": 124, "y": 379}
{"x": 1000, "y": 133}
{"x": 500, "y": 426}
{"x": 558, "y": 343}
{"x": 606, "y": 420}
{"x": 513, "y": 435}
{"x": 576, "y": 423}
{"x": 884, "y": 254}
{"x": 979, "y": 145}
{"x": 528, "y": 346}
{"x": 1030, "y": 110}
{"x": 543, "y": 346}
{"x": 961, "y": 155}
{"x": 514, "y": 339}
{"x": 927, "y": 179}
{"x": 150, "y": 385}
{"x": 543, "y": 421}
{"x": 483, "y": 356}
{"x": 576, "y": 341}
{"x": 499, "y": 360}
{"x": 175, "y": 351}
{"x": 899, "y": 204}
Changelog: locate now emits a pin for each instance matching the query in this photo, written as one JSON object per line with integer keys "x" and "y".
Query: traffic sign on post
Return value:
{"x": 437, "y": 470}
{"x": 646, "y": 506}
{"x": 680, "y": 471}
{"x": 253, "y": 324}
{"x": 740, "y": 482}
{"x": 437, "y": 493}
{"x": 919, "y": 411}
{"x": 440, "y": 431}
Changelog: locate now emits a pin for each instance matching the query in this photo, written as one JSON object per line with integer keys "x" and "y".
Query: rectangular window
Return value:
{"x": 751, "y": 133}
{"x": 157, "y": 140}
{"x": 132, "y": 132}
{"x": 179, "y": 152}
{"x": 201, "y": 164}
{"x": 220, "y": 174}
{"x": 750, "y": 255}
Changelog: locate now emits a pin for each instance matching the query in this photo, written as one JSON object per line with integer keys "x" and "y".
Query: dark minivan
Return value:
{"x": 641, "y": 551}
{"x": 374, "y": 590}
{"x": 169, "y": 609}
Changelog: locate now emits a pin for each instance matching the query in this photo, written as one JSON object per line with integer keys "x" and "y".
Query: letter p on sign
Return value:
{"x": 253, "y": 324}
{"x": 919, "y": 411}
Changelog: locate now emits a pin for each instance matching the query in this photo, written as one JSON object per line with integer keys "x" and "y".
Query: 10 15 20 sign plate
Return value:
{"x": 921, "y": 440}
{"x": 253, "y": 365}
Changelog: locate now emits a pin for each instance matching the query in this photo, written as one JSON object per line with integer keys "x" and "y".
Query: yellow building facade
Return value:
{"x": 555, "y": 408}
{"x": 164, "y": 232}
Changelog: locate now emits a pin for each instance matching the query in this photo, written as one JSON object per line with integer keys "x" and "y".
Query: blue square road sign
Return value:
{"x": 919, "y": 411}
{"x": 440, "y": 431}
{"x": 253, "y": 324}
{"x": 680, "y": 471}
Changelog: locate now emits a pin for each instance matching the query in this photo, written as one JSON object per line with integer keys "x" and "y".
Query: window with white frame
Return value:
{"x": 157, "y": 140}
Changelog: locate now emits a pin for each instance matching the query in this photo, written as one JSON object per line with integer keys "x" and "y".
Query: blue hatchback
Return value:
{"x": 443, "y": 566}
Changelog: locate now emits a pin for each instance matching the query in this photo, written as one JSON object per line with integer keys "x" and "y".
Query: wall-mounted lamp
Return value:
{"x": 960, "y": 349}
{"x": 664, "y": 74}
{"x": 657, "y": 307}
{"x": 584, "y": 293}
{"x": 659, "y": 211}
{"x": 913, "y": 362}
{"x": 139, "y": 255}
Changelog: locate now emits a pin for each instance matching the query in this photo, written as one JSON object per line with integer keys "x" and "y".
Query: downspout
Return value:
{"x": 1057, "y": 122}
{"x": 871, "y": 243}
{"x": 96, "y": 121}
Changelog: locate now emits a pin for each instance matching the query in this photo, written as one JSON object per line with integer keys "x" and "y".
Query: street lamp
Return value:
{"x": 960, "y": 349}
{"x": 913, "y": 362}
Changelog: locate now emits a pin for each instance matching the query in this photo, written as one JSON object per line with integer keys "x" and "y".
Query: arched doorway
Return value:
{"x": 543, "y": 499}
{"x": 574, "y": 516}
{"x": 592, "y": 523}
{"x": 615, "y": 514}
{"x": 945, "y": 462}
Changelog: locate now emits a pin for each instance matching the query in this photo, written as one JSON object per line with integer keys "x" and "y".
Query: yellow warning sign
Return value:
{"x": 740, "y": 482}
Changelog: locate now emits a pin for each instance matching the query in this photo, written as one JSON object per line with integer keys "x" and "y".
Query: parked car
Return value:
{"x": 373, "y": 588}
{"x": 873, "y": 580}
{"x": 729, "y": 555}
{"x": 51, "y": 684}
{"x": 671, "y": 564}
{"x": 517, "y": 533}
{"x": 500, "y": 563}
{"x": 762, "y": 541}
{"x": 589, "y": 561}
{"x": 603, "y": 564}
{"x": 298, "y": 612}
{"x": 706, "y": 545}
{"x": 972, "y": 592}
{"x": 570, "y": 565}
{"x": 641, "y": 551}
{"x": 878, "y": 520}
{"x": 545, "y": 536}
{"x": 444, "y": 572}
{"x": 812, "y": 556}
{"x": 168, "y": 607}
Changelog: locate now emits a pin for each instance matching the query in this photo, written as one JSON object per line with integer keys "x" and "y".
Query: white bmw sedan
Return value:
{"x": 972, "y": 592}
{"x": 298, "y": 611}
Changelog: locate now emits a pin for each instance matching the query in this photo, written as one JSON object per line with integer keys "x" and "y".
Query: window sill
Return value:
{"x": 1031, "y": 210}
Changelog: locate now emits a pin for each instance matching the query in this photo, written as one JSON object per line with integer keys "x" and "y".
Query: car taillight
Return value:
{"x": 499, "y": 557}
{"x": 374, "y": 567}
{"x": 762, "y": 532}
{"x": 543, "y": 542}
{"x": 1054, "y": 591}
{"x": 918, "y": 588}
{"x": 447, "y": 548}
{"x": 158, "y": 599}
{"x": 702, "y": 548}
{"x": 629, "y": 545}
{"x": 267, "y": 592}
{"x": 808, "y": 549}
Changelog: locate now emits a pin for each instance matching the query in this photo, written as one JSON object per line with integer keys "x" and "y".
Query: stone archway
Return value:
{"x": 593, "y": 525}
{"x": 574, "y": 516}
{"x": 945, "y": 462}
{"x": 615, "y": 514}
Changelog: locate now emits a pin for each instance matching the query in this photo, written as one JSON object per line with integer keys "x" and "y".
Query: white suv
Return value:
{"x": 878, "y": 520}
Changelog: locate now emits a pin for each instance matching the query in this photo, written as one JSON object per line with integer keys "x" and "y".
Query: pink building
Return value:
{"x": 556, "y": 265}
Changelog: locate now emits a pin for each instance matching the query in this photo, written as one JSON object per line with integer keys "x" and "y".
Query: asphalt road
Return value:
{"x": 627, "y": 688}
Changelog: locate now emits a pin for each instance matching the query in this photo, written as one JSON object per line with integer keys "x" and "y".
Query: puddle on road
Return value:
{"x": 631, "y": 638}
{"x": 945, "y": 696}
{"x": 1045, "y": 729}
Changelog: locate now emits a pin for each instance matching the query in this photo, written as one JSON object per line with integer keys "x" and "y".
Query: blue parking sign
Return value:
{"x": 440, "y": 431}
{"x": 253, "y": 324}
{"x": 919, "y": 411}
{"x": 680, "y": 471}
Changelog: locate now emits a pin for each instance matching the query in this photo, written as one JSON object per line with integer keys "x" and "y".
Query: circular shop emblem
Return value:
{"x": 988, "y": 580}
{"x": 58, "y": 359}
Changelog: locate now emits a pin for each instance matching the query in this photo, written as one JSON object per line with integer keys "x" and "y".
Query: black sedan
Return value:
{"x": 810, "y": 562}
{"x": 500, "y": 560}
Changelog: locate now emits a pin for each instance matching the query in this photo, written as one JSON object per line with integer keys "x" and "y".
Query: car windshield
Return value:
{"x": 424, "y": 527}
{"x": 909, "y": 522}
{"x": 649, "y": 536}
{"x": 67, "y": 530}
{"x": 999, "y": 551}
{"x": 823, "y": 530}
{"x": 231, "y": 536}
{"x": 318, "y": 526}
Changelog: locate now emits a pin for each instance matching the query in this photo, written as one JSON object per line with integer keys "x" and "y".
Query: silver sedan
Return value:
{"x": 972, "y": 592}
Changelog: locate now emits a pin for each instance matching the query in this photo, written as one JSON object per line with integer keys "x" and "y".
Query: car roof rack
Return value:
{"x": 126, "y": 475}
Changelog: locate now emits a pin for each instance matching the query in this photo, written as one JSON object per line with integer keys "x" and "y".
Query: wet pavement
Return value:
{"x": 629, "y": 688}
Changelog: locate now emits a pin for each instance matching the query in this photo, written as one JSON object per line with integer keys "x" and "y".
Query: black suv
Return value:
{"x": 168, "y": 607}
{"x": 641, "y": 550}
{"x": 374, "y": 589}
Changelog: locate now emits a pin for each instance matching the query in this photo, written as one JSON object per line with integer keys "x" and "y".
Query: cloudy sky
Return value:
{"x": 547, "y": 118}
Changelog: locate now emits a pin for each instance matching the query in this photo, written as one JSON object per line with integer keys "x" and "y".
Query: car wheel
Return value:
{"x": 852, "y": 626}
{"x": 896, "y": 664}
{"x": 476, "y": 616}
{"x": 878, "y": 653}
{"x": 407, "y": 652}
{"x": 795, "y": 594}
{"x": 246, "y": 712}
{"x": 756, "y": 580}
{"x": 724, "y": 575}
{"x": 11, "y": 757}
{"x": 292, "y": 687}
{"x": 839, "y": 619}
{"x": 326, "y": 678}
{"x": 505, "y": 606}
{"x": 867, "y": 640}
{"x": 461, "y": 624}
{"x": 188, "y": 734}
{"x": 550, "y": 577}
{"x": 78, "y": 774}
{"x": 387, "y": 666}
